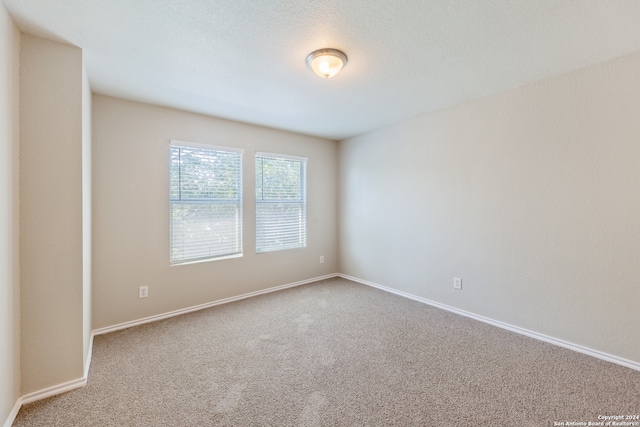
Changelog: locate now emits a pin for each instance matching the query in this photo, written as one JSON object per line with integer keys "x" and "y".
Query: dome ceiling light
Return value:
{"x": 326, "y": 63}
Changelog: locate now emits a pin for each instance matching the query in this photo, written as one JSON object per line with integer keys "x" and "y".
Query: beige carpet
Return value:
{"x": 334, "y": 353}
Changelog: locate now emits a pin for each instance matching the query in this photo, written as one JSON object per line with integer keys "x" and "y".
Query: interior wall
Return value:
{"x": 131, "y": 212}
{"x": 9, "y": 217}
{"x": 86, "y": 216}
{"x": 530, "y": 196}
{"x": 51, "y": 239}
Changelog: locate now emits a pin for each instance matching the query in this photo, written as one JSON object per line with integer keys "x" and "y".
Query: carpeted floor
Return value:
{"x": 334, "y": 353}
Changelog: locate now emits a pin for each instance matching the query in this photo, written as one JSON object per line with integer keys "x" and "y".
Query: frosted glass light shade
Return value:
{"x": 326, "y": 63}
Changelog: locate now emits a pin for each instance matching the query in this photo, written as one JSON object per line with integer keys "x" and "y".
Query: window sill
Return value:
{"x": 199, "y": 261}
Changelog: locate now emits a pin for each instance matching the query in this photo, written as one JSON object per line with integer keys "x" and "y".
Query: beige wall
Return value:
{"x": 51, "y": 208}
{"x": 530, "y": 196}
{"x": 9, "y": 217}
{"x": 131, "y": 212}
{"x": 86, "y": 216}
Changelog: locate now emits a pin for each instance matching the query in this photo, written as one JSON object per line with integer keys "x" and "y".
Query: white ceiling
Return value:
{"x": 245, "y": 59}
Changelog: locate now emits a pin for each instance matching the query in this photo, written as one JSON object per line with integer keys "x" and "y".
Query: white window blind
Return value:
{"x": 281, "y": 202}
{"x": 205, "y": 202}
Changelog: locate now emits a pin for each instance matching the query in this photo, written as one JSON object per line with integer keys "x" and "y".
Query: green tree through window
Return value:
{"x": 281, "y": 202}
{"x": 205, "y": 202}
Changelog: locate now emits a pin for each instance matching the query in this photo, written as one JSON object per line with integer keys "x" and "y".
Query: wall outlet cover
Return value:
{"x": 143, "y": 291}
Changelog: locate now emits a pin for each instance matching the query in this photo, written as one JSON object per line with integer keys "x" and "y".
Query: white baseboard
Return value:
{"x": 157, "y": 317}
{"x": 551, "y": 340}
{"x": 53, "y": 390}
{"x": 43, "y": 394}
{"x": 13, "y": 414}
{"x": 87, "y": 363}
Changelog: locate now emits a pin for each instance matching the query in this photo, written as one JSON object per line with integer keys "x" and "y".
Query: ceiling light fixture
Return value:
{"x": 326, "y": 63}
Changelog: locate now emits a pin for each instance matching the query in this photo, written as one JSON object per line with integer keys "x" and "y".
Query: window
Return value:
{"x": 281, "y": 202}
{"x": 205, "y": 202}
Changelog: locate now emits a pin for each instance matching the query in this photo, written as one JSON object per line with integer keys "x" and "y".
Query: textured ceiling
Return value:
{"x": 245, "y": 59}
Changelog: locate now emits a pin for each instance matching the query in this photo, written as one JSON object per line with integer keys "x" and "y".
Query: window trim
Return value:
{"x": 179, "y": 143}
{"x": 281, "y": 156}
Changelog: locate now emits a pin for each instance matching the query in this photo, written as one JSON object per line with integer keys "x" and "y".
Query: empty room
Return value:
{"x": 319, "y": 213}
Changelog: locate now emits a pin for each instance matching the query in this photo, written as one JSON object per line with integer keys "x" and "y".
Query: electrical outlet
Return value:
{"x": 143, "y": 291}
{"x": 457, "y": 283}
{"x": 322, "y": 259}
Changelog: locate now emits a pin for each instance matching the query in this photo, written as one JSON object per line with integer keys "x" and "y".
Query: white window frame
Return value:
{"x": 238, "y": 202}
{"x": 293, "y": 233}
